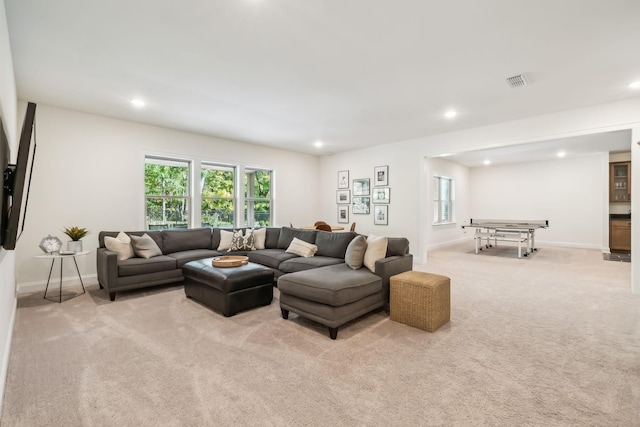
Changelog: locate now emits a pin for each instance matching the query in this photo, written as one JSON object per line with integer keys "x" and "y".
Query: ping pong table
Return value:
{"x": 519, "y": 231}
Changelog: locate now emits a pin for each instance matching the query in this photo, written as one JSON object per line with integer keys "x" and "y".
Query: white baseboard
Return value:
{"x": 448, "y": 243}
{"x": 40, "y": 286}
{"x": 5, "y": 358}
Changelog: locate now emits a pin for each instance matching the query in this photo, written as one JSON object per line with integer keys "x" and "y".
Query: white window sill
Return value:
{"x": 444, "y": 223}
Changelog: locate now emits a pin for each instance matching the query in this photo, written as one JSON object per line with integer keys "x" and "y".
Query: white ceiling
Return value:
{"x": 615, "y": 142}
{"x": 351, "y": 73}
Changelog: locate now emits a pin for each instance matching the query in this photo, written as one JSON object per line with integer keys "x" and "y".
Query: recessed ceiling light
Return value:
{"x": 137, "y": 102}
{"x": 486, "y": 162}
{"x": 450, "y": 114}
{"x": 635, "y": 85}
{"x": 318, "y": 144}
{"x": 561, "y": 154}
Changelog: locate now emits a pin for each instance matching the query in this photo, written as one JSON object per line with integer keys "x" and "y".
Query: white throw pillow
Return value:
{"x": 376, "y": 249}
{"x": 302, "y": 248}
{"x": 225, "y": 240}
{"x": 121, "y": 245}
{"x": 259, "y": 238}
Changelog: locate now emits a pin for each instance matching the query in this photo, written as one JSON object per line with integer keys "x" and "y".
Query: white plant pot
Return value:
{"x": 75, "y": 246}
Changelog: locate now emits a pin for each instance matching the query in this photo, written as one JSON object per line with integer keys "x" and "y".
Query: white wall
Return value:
{"x": 89, "y": 172}
{"x": 568, "y": 192}
{"x": 404, "y": 176}
{"x": 7, "y": 272}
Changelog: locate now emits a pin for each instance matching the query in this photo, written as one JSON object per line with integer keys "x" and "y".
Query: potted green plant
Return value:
{"x": 75, "y": 233}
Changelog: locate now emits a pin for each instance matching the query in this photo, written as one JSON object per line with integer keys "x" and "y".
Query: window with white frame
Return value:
{"x": 258, "y": 200}
{"x": 171, "y": 183}
{"x": 166, "y": 187}
{"x": 217, "y": 192}
{"x": 443, "y": 197}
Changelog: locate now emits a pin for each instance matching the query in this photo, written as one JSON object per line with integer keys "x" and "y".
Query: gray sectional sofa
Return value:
{"x": 179, "y": 247}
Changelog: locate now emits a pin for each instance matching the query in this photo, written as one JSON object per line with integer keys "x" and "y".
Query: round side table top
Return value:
{"x": 62, "y": 255}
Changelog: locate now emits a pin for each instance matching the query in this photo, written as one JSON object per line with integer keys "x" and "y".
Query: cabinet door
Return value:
{"x": 620, "y": 182}
{"x": 620, "y": 235}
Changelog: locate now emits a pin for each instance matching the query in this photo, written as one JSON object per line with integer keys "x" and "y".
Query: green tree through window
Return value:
{"x": 167, "y": 201}
{"x": 257, "y": 197}
{"x": 218, "y": 195}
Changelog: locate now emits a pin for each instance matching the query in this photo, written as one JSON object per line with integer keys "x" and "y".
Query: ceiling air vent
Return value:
{"x": 517, "y": 81}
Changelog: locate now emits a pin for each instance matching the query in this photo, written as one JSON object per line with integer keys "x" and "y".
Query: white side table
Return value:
{"x": 53, "y": 258}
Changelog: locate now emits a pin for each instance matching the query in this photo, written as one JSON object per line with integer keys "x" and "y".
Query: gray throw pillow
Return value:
{"x": 144, "y": 246}
{"x": 356, "y": 249}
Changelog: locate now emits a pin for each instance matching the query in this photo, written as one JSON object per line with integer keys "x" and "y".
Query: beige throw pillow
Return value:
{"x": 259, "y": 238}
{"x": 225, "y": 240}
{"x": 121, "y": 245}
{"x": 302, "y": 248}
{"x": 376, "y": 249}
{"x": 354, "y": 256}
{"x": 145, "y": 246}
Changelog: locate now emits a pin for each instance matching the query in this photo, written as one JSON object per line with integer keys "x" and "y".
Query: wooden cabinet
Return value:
{"x": 620, "y": 235}
{"x": 620, "y": 182}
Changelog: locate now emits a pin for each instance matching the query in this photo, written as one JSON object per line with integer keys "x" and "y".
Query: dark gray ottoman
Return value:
{"x": 228, "y": 290}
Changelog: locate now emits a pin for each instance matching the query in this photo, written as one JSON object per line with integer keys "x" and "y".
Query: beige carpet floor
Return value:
{"x": 552, "y": 340}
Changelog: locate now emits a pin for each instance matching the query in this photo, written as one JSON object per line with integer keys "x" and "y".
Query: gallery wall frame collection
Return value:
{"x": 361, "y": 196}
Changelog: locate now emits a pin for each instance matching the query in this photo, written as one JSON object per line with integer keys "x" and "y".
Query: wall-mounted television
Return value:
{"x": 4, "y": 163}
{"x": 16, "y": 182}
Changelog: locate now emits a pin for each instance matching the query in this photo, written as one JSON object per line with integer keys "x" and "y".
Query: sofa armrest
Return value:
{"x": 107, "y": 264}
{"x": 390, "y": 266}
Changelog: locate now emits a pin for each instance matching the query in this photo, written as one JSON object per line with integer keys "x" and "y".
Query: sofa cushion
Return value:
{"x": 333, "y": 244}
{"x": 184, "y": 240}
{"x": 376, "y": 249}
{"x": 335, "y": 285}
{"x": 270, "y": 257}
{"x": 184, "y": 257}
{"x": 287, "y": 234}
{"x": 354, "y": 256}
{"x": 300, "y": 263}
{"x": 136, "y": 266}
{"x": 121, "y": 245}
{"x": 302, "y": 248}
{"x": 271, "y": 240}
{"x": 145, "y": 247}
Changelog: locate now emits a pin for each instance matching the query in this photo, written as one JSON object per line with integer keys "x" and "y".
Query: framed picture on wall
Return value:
{"x": 381, "y": 195}
{"x": 343, "y": 214}
{"x": 343, "y": 197}
{"x": 381, "y": 214}
{"x": 361, "y": 187}
{"x": 380, "y": 176}
{"x": 361, "y": 205}
{"x": 343, "y": 179}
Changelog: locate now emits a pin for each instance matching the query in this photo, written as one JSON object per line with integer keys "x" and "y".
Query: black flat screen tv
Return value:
{"x": 4, "y": 163}
{"x": 16, "y": 182}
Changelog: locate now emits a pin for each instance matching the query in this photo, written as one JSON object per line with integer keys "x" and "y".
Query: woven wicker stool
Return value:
{"x": 421, "y": 300}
